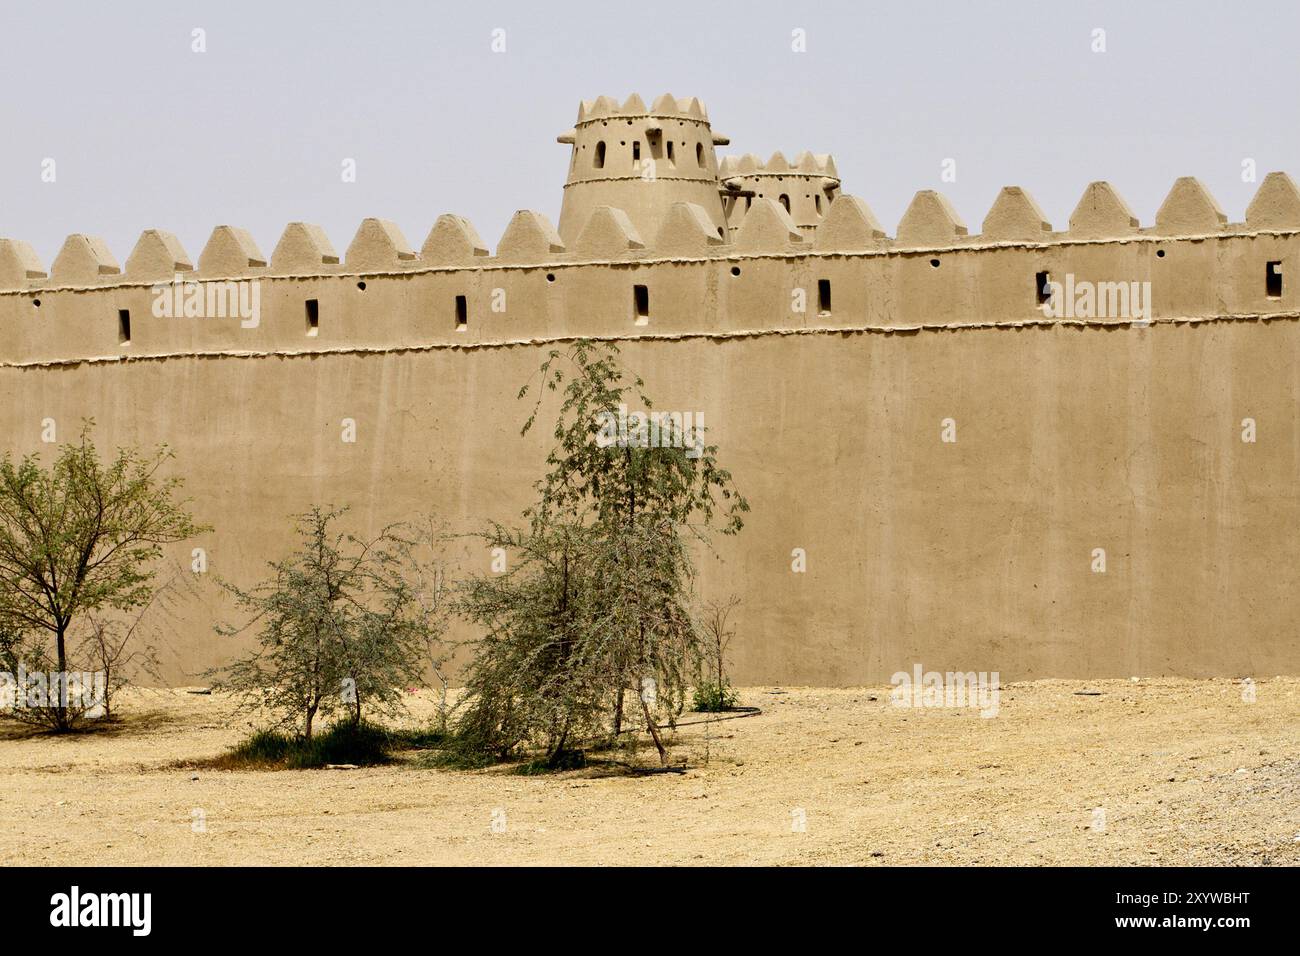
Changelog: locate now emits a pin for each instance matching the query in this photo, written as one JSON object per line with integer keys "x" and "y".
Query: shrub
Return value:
{"x": 596, "y": 599}
{"x": 343, "y": 622}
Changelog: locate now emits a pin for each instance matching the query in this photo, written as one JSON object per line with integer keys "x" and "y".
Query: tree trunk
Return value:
{"x": 60, "y": 704}
{"x": 654, "y": 732}
{"x": 618, "y": 713}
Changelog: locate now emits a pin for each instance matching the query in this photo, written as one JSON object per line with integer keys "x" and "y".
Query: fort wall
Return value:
{"x": 1073, "y": 432}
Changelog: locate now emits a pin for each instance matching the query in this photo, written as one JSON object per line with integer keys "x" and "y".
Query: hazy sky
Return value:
{"x": 253, "y": 132}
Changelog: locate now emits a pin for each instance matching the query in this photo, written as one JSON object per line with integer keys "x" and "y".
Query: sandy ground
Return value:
{"x": 1183, "y": 772}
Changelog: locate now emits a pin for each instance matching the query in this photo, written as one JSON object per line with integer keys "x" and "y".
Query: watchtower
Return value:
{"x": 641, "y": 161}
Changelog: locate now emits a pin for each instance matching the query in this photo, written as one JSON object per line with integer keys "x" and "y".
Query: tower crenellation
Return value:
{"x": 805, "y": 188}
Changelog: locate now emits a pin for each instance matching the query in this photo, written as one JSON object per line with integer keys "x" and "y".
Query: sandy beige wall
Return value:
{"x": 972, "y": 555}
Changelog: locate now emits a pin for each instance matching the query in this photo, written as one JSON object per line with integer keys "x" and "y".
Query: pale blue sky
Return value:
{"x": 146, "y": 133}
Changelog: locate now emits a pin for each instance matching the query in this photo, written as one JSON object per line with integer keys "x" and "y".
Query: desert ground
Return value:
{"x": 1157, "y": 771}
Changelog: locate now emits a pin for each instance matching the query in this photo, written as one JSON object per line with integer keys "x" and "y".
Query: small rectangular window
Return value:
{"x": 462, "y": 313}
{"x": 641, "y": 303}
{"x": 636, "y": 151}
{"x": 1273, "y": 280}
{"x": 824, "y": 296}
{"x": 1043, "y": 287}
{"x": 123, "y": 326}
{"x": 313, "y": 316}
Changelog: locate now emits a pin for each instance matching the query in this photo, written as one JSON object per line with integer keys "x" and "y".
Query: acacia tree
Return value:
{"x": 343, "y": 622}
{"x": 78, "y": 538}
{"x": 598, "y": 600}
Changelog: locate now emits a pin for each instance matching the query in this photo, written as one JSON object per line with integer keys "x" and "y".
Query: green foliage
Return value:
{"x": 361, "y": 744}
{"x": 79, "y": 538}
{"x": 712, "y": 697}
{"x": 596, "y": 600}
{"x": 620, "y": 482}
{"x": 343, "y": 622}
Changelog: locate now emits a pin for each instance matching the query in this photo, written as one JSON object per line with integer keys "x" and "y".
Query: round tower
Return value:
{"x": 640, "y": 161}
{"x": 805, "y": 188}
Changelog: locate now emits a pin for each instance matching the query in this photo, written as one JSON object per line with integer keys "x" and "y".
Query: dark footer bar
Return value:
{"x": 335, "y": 906}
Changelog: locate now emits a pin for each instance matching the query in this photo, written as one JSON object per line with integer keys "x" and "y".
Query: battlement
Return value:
{"x": 667, "y": 105}
{"x": 805, "y": 189}
{"x": 930, "y": 223}
{"x": 657, "y": 238}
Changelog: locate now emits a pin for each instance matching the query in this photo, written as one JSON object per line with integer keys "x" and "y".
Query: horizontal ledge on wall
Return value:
{"x": 913, "y": 328}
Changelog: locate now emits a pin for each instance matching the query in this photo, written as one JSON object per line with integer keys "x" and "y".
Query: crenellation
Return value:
{"x": 231, "y": 252}
{"x": 1102, "y": 213}
{"x": 1015, "y": 215}
{"x": 767, "y": 227}
{"x": 687, "y": 232}
{"x": 453, "y": 241}
{"x": 849, "y": 226}
{"x": 378, "y": 245}
{"x": 930, "y": 219}
{"x": 608, "y": 234}
{"x": 19, "y": 265}
{"x": 529, "y": 238}
{"x": 303, "y": 249}
{"x": 1276, "y": 204}
{"x": 157, "y": 255}
{"x": 1189, "y": 210}
{"x": 83, "y": 260}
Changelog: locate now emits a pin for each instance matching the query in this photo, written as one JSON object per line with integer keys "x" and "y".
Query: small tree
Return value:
{"x": 713, "y": 690}
{"x": 596, "y": 603}
{"x": 344, "y": 622}
{"x": 78, "y": 538}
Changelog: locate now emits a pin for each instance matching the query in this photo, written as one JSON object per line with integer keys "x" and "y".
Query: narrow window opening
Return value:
{"x": 785, "y": 201}
{"x": 641, "y": 303}
{"x": 824, "y": 296}
{"x": 313, "y": 316}
{"x": 699, "y": 155}
{"x": 1273, "y": 280}
{"x": 598, "y": 159}
{"x": 636, "y": 151}
{"x": 672, "y": 161}
{"x": 1043, "y": 287}
{"x": 462, "y": 313}
{"x": 123, "y": 326}
{"x": 817, "y": 200}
